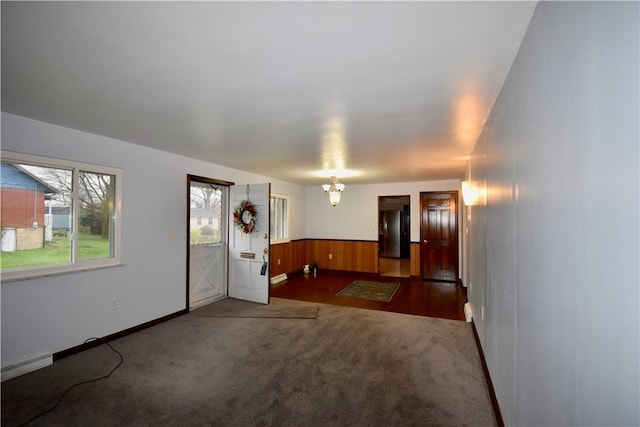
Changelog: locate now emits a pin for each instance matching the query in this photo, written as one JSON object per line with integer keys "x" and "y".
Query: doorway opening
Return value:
{"x": 394, "y": 245}
{"x": 207, "y": 251}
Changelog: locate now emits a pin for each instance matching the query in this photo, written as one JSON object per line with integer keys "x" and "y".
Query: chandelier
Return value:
{"x": 334, "y": 189}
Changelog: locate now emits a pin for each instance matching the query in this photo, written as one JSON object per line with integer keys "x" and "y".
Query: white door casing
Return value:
{"x": 249, "y": 252}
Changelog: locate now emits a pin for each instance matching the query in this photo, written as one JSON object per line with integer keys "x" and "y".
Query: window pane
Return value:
{"x": 95, "y": 213}
{"x": 35, "y": 216}
{"x": 56, "y": 213}
{"x": 279, "y": 218}
{"x": 206, "y": 202}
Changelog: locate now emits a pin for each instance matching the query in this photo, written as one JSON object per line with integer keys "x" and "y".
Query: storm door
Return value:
{"x": 208, "y": 240}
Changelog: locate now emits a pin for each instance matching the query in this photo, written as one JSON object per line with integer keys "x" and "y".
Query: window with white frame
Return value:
{"x": 57, "y": 216}
{"x": 279, "y": 218}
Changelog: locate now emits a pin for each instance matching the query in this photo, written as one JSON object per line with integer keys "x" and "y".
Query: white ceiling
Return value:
{"x": 378, "y": 91}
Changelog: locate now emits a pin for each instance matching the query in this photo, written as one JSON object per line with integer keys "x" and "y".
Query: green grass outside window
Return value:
{"x": 56, "y": 252}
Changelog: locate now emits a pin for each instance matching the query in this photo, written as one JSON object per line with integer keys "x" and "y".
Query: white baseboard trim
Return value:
{"x": 279, "y": 278}
{"x": 467, "y": 312}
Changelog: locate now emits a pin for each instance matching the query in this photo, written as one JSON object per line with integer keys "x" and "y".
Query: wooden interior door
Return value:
{"x": 439, "y": 236}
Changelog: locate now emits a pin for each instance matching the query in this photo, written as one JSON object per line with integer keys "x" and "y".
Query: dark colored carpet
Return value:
{"x": 347, "y": 367}
{"x": 235, "y": 308}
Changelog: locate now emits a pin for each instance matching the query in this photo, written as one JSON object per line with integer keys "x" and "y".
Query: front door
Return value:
{"x": 439, "y": 236}
{"x": 249, "y": 238}
{"x": 207, "y": 251}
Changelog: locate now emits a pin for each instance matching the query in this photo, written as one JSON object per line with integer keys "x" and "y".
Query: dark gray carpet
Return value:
{"x": 347, "y": 367}
{"x": 236, "y": 308}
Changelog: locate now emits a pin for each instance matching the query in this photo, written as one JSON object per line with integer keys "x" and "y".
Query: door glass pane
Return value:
{"x": 206, "y": 214}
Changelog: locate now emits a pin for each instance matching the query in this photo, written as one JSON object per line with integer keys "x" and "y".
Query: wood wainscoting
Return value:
{"x": 288, "y": 257}
{"x": 346, "y": 255}
{"x": 415, "y": 259}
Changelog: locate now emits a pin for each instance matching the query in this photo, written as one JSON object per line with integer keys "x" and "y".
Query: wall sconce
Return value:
{"x": 470, "y": 193}
{"x": 334, "y": 189}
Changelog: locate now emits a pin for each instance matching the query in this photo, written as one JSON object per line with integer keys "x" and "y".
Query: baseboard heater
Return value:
{"x": 20, "y": 368}
{"x": 467, "y": 312}
{"x": 279, "y": 278}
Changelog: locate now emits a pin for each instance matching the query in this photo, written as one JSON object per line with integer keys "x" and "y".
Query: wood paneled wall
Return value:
{"x": 347, "y": 255}
{"x": 288, "y": 257}
{"x": 415, "y": 259}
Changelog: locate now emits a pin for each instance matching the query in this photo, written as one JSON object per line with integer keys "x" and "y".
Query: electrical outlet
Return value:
{"x": 278, "y": 261}
{"x": 330, "y": 256}
{"x": 114, "y": 304}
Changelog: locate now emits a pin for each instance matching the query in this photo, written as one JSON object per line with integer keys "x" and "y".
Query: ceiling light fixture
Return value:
{"x": 334, "y": 189}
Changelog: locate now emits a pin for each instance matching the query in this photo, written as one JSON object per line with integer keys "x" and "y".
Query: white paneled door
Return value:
{"x": 249, "y": 242}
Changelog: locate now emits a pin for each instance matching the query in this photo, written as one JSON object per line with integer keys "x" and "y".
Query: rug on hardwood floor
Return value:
{"x": 374, "y": 291}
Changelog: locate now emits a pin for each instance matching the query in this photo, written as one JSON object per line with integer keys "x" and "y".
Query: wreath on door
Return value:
{"x": 244, "y": 216}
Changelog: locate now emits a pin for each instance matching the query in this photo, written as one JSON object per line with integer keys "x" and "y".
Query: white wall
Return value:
{"x": 554, "y": 253}
{"x": 55, "y": 313}
{"x": 356, "y": 217}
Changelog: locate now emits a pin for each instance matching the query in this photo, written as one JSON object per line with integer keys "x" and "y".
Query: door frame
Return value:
{"x": 405, "y": 247}
{"x": 198, "y": 178}
{"x": 405, "y": 241}
{"x": 458, "y": 212}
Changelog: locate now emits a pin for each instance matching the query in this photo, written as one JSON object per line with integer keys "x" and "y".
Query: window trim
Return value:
{"x": 288, "y": 238}
{"x": 80, "y": 264}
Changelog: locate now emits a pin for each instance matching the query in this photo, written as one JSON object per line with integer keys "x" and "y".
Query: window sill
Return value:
{"x": 16, "y": 276}
{"x": 277, "y": 242}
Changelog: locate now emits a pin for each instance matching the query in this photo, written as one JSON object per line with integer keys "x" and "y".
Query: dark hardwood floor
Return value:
{"x": 414, "y": 296}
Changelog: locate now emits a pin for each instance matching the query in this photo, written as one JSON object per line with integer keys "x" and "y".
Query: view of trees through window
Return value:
{"x": 37, "y": 215}
{"x": 205, "y": 223}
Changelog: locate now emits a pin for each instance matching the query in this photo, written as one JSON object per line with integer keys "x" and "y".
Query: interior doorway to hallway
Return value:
{"x": 394, "y": 250}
